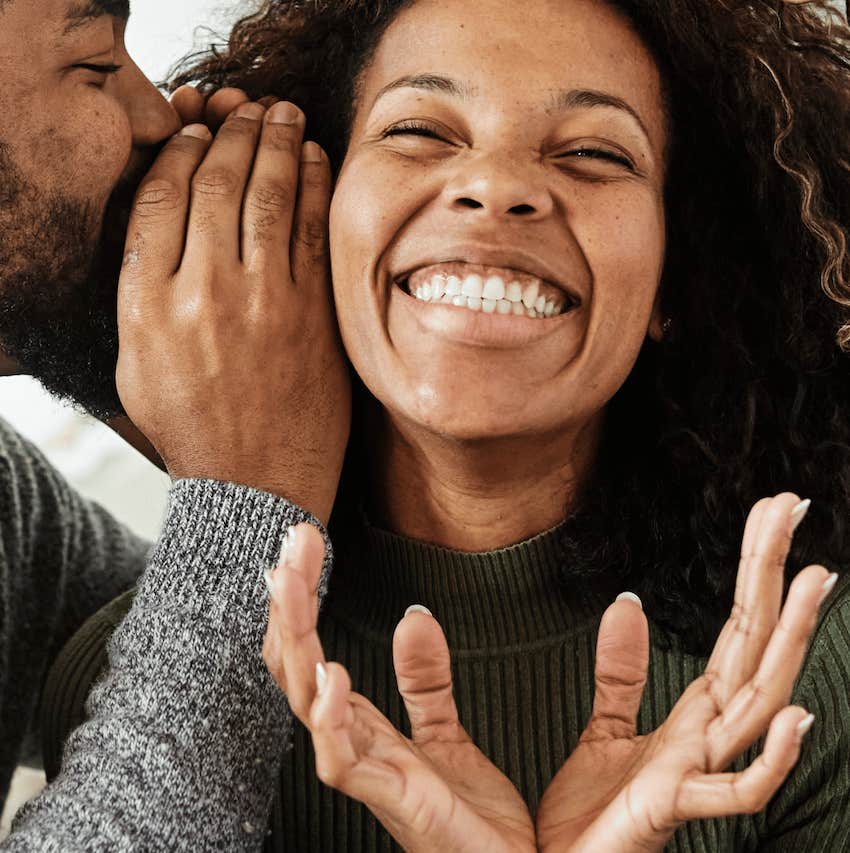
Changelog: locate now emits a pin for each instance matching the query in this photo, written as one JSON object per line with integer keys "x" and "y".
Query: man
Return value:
{"x": 187, "y": 691}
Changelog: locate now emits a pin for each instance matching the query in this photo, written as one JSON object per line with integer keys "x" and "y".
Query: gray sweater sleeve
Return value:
{"x": 186, "y": 729}
{"x": 61, "y": 559}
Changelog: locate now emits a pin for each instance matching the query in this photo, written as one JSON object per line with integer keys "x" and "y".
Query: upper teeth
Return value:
{"x": 490, "y": 296}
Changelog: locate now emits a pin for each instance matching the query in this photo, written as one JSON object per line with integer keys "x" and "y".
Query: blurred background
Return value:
{"x": 89, "y": 454}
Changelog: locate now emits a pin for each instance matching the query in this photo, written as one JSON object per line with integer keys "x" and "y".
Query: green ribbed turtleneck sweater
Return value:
{"x": 523, "y": 651}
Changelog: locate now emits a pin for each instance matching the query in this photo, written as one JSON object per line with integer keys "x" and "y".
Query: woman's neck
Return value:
{"x": 477, "y": 495}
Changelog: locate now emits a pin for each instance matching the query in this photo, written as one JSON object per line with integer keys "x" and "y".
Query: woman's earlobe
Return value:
{"x": 659, "y": 327}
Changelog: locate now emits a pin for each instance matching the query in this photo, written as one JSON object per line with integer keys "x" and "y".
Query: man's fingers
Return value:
{"x": 758, "y": 597}
{"x": 188, "y": 103}
{"x": 622, "y": 660}
{"x": 270, "y": 197}
{"x": 309, "y": 246}
{"x": 747, "y": 792}
{"x": 424, "y": 674}
{"x": 157, "y": 224}
{"x": 221, "y": 103}
{"x": 755, "y": 704}
{"x": 218, "y": 187}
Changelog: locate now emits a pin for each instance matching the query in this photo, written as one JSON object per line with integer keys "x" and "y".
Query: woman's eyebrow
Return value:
{"x": 570, "y": 99}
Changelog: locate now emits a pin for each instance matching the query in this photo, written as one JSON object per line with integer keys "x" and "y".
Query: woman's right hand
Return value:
{"x": 433, "y": 791}
{"x": 230, "y": 358}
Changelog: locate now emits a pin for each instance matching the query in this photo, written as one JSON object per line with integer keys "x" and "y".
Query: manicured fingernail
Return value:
{"x": 630, "y": 596}
{"x": 799, "y": 513}
{"x": 418, "y": 608}
{"x": 805, "y": 725}
{"x": 284, "y": 113}
{"x": 267, "y": 577}
{"x": 286, "y": 548}
{"x": 311, "y": 153}
{"x": 249, "y": 110}
{"x": 321, "y": 678}
{"x": 827, "y": 587}
{"x": 199, "y": 131}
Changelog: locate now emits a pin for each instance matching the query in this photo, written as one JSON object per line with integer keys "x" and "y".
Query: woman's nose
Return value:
{"x": 152, "y": 118}
{"x": 500, "y": 187}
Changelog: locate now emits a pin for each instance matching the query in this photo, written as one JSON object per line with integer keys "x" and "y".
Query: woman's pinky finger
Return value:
{"x": 747, "y": 792}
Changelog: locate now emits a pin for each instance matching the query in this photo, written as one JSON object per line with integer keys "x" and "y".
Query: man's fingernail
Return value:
{"x": 311, "y": 153}
{"x": 418, "y": 608}
{"x": 827, "y": 587}
{"x": 805, "y": 725}
{"x": 284, "y": 113}
{"x": 321, "y": 678}
{"x": 798, "y": 514}
{"x": 199, "y": 131}
{"x": 630, "y": 596}
{"x": 286, "y": 548}
{"x": 249, "y": 110}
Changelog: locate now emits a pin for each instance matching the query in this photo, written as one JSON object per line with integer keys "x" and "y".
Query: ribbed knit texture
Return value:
{"x": 61, "y": 558}
{"x": 183, "y": 742}
{"x": 523, "y": 654}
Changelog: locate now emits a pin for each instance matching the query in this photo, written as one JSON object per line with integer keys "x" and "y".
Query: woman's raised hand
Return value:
{"x": 433, "y": 791}
{"x": 620, "y": 791}
{"x": 230, "y": 359}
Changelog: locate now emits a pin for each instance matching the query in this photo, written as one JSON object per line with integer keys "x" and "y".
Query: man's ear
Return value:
{"x": 656, "y": 329}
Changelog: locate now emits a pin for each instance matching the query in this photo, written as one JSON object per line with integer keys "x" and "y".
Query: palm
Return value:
{"x": 619, "y": 788}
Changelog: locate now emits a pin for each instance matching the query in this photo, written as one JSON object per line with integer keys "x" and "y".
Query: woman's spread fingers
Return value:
{"x": 188, "y": 103}
{"x": 157, "y": 227}
{"x": 221, "y": 103}
{"x": 309, "y": 246}
{"x": 747, "y": 792}
{"x": 622, "y": 660}
{"x": 752, "y": 708}
{"x": 218, "y": 188}
{"x": 424, "y": 674}
{"x": 758, "y": 597}
{"x": 269, "y": 205}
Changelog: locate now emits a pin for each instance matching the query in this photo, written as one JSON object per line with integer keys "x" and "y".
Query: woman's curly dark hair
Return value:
{"x": 749, "y": 394}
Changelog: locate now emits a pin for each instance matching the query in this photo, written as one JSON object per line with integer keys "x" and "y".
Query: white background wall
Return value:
{"x": 95, "y": 460}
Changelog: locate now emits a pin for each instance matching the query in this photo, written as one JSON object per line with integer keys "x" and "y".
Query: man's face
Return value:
{"x": 76, "y": 135}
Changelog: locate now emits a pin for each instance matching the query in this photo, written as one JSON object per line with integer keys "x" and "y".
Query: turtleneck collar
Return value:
{"x": 512, "y": 596}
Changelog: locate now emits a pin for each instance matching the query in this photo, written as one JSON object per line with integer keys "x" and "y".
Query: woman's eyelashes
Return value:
{"x": 593, "y": 153}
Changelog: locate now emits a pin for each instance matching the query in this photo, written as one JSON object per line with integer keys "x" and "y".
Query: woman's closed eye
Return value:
{"x": 596, "y": 153}
{"x": 414, "y": 128}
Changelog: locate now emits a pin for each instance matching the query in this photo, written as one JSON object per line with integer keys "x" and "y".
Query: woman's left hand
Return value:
{"x": 620, "y": 791}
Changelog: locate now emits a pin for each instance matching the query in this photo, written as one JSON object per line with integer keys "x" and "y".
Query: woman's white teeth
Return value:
{"x": 490, "y": 296}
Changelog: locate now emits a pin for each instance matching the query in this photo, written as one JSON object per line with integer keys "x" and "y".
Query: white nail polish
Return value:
{"x": 799, "y": 513}
{"x": 804, "y": 725}
{"x": 321, "y": 677}
{"x": 827, "y": 587}
{"x": 630, "y": 596}
{"x": 418, "y": 608}
{"x": 286, "y": 548}
{"x": 267, "y": 577}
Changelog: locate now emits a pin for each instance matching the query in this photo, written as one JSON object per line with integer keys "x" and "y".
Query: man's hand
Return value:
{"x": 434, "y": 792}
{"x": 230, "y": 359}
{"x": 620, "y": 791}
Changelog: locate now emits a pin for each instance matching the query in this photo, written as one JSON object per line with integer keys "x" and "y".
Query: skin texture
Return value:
{"x": 504, "y": 172}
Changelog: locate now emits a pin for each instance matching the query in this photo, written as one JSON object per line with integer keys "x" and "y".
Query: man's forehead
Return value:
{"x": 81, "y": 12}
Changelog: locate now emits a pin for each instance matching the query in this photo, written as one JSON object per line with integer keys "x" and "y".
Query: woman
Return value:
{"x": 657, "y": 175}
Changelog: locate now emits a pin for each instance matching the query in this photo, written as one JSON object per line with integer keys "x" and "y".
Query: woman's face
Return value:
{"x": 497, "y": 229}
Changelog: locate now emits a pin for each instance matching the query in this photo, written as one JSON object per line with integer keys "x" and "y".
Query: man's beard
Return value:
{"x": 59, "y": 288}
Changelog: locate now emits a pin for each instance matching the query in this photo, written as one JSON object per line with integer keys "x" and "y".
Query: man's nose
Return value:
{"x": 500, "y": 186}
{"x": 152, "y": 118}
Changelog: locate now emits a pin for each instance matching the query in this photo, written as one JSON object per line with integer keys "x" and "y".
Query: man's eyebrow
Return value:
{"x": 579, "y": 98}
{"x": 428, "y": 82}
{"x": 83, "y": 12}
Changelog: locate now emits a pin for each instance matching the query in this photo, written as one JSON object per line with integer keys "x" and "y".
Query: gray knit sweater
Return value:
{"x": 186, "y": 727}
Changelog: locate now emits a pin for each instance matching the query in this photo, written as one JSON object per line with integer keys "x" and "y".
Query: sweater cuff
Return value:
{"x": 217, "y": 540}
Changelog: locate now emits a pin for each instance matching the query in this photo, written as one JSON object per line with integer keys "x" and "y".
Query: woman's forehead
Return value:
{"x": 535, "y": 52}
